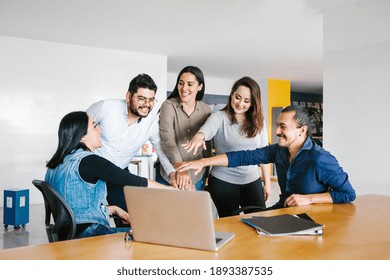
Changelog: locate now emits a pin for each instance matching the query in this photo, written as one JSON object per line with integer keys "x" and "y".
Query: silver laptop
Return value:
{"x": 173, "y": 217}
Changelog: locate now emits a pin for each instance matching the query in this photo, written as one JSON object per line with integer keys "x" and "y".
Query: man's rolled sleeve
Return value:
{"x": 331, "y": 174}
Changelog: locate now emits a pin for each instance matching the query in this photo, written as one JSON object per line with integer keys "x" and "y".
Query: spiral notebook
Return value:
{"x": 285, "y": 224}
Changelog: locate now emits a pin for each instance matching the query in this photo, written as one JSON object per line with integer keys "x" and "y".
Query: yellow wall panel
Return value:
{"x": 278, "y": 96}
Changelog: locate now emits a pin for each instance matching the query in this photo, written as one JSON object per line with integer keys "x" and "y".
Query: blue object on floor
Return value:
{"x": 16, "y": 208}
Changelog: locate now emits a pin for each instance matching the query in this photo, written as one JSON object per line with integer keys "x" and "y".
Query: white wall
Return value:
{"x": 263, "y": 83}
{"x": 40, "y": 82}
{"x": 357, "y": 92}
{"x": 213, "y": 85}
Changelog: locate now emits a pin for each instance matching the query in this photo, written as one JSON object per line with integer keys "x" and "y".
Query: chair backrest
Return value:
{"x": 64, "y": 226}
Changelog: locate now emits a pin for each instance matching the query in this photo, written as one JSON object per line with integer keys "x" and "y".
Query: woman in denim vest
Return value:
{"x": 80, "y": 176}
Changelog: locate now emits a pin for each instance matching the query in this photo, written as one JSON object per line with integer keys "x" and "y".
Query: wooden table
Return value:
{"x": 356, "y": 231}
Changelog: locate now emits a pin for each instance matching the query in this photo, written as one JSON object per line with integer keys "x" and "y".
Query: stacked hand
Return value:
{"x": 197, "y": 165}
{"x": 196, "y": 142}
{"x": 181, "y": 180}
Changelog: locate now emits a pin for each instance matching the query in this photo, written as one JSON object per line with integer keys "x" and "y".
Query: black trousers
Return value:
{"x": 229, "y": 197}
{"x": 116, "y": 196}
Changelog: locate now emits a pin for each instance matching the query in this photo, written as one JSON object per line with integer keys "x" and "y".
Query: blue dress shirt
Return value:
{"x": 312, "y": 170}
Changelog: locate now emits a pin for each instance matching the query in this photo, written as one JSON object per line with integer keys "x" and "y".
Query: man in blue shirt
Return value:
{"x": 307, "y": 174}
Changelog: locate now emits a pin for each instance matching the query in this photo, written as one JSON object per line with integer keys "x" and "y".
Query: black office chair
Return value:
{"x": 64, "y": 227}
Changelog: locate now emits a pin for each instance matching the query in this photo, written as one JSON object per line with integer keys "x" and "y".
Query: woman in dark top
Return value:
{"x": 81, "y": 176}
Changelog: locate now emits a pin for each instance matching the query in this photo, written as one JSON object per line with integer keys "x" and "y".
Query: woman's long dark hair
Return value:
{"x": 199, "y": 77}
{"x": 72, "y": 128}
{"x": 254, "y": 116}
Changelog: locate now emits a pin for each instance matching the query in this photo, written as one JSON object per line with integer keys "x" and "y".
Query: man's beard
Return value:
{"x": 135, "y": 111}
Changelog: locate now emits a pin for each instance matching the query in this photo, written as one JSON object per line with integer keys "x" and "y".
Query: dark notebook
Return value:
{"x": 285, "y": 224}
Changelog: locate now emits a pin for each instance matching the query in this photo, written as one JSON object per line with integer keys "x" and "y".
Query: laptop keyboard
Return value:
{"x": 217, "y": 240}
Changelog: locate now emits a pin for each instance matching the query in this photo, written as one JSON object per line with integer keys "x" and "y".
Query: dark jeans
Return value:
{"x": 98, "y": 229}
{"x": 116, "y": 196}
{"x": 159, "y": 177}
{"x": 229, "y": 197}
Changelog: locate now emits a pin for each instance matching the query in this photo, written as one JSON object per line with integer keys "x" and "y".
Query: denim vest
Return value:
{"x": 88, "y": 201}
